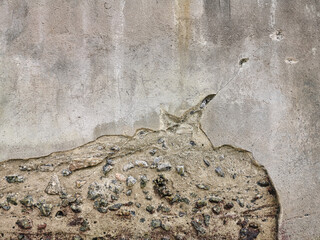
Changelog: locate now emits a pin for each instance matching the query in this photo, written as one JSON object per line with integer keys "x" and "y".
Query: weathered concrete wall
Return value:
{"x": 71, "y": 71}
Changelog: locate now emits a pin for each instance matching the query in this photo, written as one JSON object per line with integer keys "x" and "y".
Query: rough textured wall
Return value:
{"x": 71, "y": 71}
{"x": 156, "y": 185}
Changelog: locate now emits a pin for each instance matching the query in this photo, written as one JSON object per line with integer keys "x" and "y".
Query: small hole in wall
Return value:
{"x": 243, "y": 61}
{"x": 60, "y": 214}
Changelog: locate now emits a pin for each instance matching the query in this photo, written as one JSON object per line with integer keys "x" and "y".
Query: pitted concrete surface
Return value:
{"x": 71, "y": 71}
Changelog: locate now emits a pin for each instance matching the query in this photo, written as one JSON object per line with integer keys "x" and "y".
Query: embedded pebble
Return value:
{"x": 160, "y": 186}
{"x": 256, "y": 197}
{"x": 84, "y": 226}
{"x": 197, "y": 226}
{"x": 164, "y": 146}
{"x": 77, "y": 237}
{"x": 248, "y": 233}
{"x": 240, "y": 202}
{"x": 75, "y": 208}
{"x": 131, "y": 181}
{"x": 253, "y": 225}
{"x": 219, "y": 172}
{"x": 140, "y": 163}
{"x": 150, "y": 209}
{"x": 165, "y": 227}
{"x": 215, "y": 199}
{"x": 100, "y": 148}
{"x": 66, "y": 172}
{"x": 138, "y": 205}
{"x": 263, "y": 183}
{"x": 178, "y": 237}
{"x": 228, "y": 205}
{"x": 115, "y": 207}
{"x": 164, "y": 167}
{"x": 53, "y": 187}
{"x": 110, "y": 162}
{"x": 120, "y": 177}
{"x": 201, "y": 204}
{"x": 203, "y": 186}
{"x": 180, "y": 170}
{"x": 24, "y": 223}
{"x": 5, "y": 206}
{"x": 156, "y": 223}
{"x": 128, "y": 166}
{"x": 156, "y": 160}
{"x": 94, "y": 191}
{"x": 27, "y": 201}
{"x": 206, "y": 162}
{"x": 216, "y": 209}
{"x": 114, "y": 197}
{"x": 206, "y": 219}
{"x": 46, "y": 168}
{"x": 25, "y": 168}
{"x": 45, "y": 209}
{"x": 115, "y": 148}
{"x": 80, "y": 183}
{"x": 143, "y": 181}
{"x": 206, "y": 100}
{"x": 125, "y": 213}
{"x": 106, "y": 169}
{"x": 15, "y": 179}
{"x": 182, "y": 214}
{"x": 162, "y": 208}
{"x": 12, "y": 199}
{"x": 153, "y": 152}
{"x": 42, "y": 226}
{"x": 101, "y": 205}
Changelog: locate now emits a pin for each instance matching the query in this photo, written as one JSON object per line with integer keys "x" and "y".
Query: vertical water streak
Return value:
{"x": 117, "y": 29}
{"x": 273, "y": 13}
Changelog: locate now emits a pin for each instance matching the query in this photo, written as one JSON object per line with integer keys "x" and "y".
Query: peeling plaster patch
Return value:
{"x": 277, "y": 35}
{"x": 291, "y": 60}
{"x": 180, "y": 187}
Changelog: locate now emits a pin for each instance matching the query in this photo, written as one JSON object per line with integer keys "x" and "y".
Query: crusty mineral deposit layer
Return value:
{"x": 165, "y": 184}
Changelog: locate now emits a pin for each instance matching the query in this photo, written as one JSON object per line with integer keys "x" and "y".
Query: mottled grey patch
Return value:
{"x": 60, "y": 66}
{"x": 18, "y": 22}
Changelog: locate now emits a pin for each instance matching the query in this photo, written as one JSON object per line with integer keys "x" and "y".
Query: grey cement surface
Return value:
{"x": 71, "y": 71}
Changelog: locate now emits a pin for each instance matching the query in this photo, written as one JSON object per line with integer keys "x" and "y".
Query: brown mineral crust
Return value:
{"x": 80, "y": 164}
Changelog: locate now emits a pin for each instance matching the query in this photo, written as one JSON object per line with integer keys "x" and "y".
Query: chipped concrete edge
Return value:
{"x": 164, "y": 125}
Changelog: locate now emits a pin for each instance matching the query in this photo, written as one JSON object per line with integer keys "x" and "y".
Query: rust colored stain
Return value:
{"x": 184, "y": 24}
{"x": 184, "y": 33}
